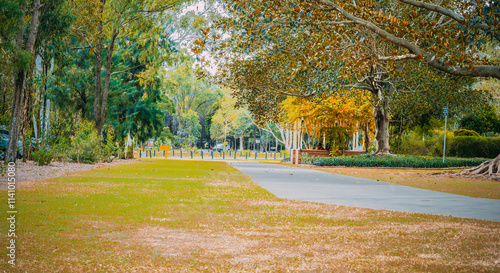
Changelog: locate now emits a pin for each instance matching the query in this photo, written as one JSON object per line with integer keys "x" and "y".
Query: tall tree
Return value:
{"x": 311, "y": 48}
{"x": 101, "y": 23}
{"x": 188, "y": 92}
{"x": 27, "y": 48}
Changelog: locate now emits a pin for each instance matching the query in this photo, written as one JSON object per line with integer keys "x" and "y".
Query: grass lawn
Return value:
{"x": 188, "y": 216}
{"x": 422, "y": 178}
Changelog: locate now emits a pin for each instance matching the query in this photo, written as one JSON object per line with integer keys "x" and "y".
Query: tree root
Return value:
{"x": 487, "y": 169}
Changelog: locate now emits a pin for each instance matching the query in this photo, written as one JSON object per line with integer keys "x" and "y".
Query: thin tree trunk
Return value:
{"x": 4, "y": 107}
{"x": 107, "y": 79}
{"x": 97, "y": 84}
{"x": 366, "y": 136}
{"x": 20, "y": 81}
{"x": 26, "y": 121}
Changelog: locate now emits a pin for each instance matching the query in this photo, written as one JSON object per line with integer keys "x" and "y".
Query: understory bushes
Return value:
{"x": 470, "y": 146}
{"x": 84, "y": 146}
{"x": 410, "y": 161}
{"x": 459, "y": 143}
{"x": 432, "y": 145}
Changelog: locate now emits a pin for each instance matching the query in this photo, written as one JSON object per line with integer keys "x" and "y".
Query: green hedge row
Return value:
{"x": 410, "y": 161}
{"x": 469, "y": 146}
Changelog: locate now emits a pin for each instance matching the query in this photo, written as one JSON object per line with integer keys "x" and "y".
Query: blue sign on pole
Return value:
{"x": 445, "y": 114}
{"x": 445, "y": 111}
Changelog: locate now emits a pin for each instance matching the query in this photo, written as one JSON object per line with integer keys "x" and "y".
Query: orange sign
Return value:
{"x": 166, "y": 149}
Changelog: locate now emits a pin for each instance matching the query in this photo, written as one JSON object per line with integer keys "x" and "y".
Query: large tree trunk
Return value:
{"x": 17, "y": 102}
{"x": 375, "y": 84}
{"x": 381, "y": 116}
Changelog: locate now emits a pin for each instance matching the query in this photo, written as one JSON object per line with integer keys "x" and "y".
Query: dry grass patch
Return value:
{"x": 173, "y": 242}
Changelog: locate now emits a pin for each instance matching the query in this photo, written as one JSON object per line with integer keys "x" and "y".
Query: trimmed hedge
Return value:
{"x": 469, "y": 146}
{"x": 409, "y": 161}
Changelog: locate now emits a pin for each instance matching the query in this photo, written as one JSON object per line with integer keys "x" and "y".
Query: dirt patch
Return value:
{"x": 229, "y": 183}
{"x": 30, "y": 171}
{"x": 174, "y": 242}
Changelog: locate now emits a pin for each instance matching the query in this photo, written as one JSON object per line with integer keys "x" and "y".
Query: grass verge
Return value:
{"x": 200, "y": 216}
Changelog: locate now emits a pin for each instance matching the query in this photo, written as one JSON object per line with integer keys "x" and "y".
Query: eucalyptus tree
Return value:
{"x": 100, "y": 24}
{"x": 25, "y": 55}
{"x": 188, "y": 92}
{"x": 11, "y": 55}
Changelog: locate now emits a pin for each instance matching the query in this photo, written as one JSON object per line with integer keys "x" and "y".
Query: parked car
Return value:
{"x": 218, "y": 147}
{"x": 4, "y": 139}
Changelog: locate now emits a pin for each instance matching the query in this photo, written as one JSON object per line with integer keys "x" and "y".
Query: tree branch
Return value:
{"x": 430, "y": 59}
{"x": 162, "y": 8}
{"x": 397, "y": 58}
{"x": 447, "y": 12}
{"x": 360, "y": 86}
{"x": 126, "y": 70}
{"x": 81, "y": 47}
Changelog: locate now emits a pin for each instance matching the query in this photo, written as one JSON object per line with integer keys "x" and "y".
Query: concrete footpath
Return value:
{"x": 322, "y": 187}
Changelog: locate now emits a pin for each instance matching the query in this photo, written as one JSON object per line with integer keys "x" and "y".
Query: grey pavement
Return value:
{"x": 322, "y": 187}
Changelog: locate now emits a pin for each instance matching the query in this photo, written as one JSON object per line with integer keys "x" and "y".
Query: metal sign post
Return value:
{"x": 445, "y": 114}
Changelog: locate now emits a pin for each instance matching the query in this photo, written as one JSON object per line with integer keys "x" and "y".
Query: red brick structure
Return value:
{"x": 320, "y": 153}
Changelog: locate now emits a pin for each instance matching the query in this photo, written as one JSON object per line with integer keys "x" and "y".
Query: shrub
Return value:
{"x": 465, "y": 132}
{"x": 413, "y": 143}
{"x": 61, "y": 149}
{"x": 432, "y": 145}
{"x": 110, "y": 148}
{"x": 438, "y": 141}
{"x": 483, "y": 122}
{"x": 410, "y": 161}
{"x": 86, "y": 144}
{"x": 469, "y": 146}
{"x": 42, "y": 156}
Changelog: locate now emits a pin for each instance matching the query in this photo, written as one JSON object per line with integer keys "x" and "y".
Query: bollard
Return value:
{"x": 150, "y": 156}
{"x": 201, "y": 154}
{"x": 255, "y": 155}
{"x": 212, "y": 152}
{"x": 140, "y": 153}
{"x": 265, "y": 154}
{"x": 229, "y": 153}
{"x": 241, "y": 153}
{"x": 154, "y": 152}
{"x": 163, "y": 153}
{"x": 246, "y": 155}
{"x": 173, "y": 152}
{"x": 234, "y": 154}
{"x": 191, "y": 154}
{"x": 223, "y": 154}
{"x": 274, "y": 155}
{"x": 181, "y": 153}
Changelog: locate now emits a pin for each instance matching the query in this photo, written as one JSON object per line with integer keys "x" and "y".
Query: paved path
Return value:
{"x": 322, "y": 187}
